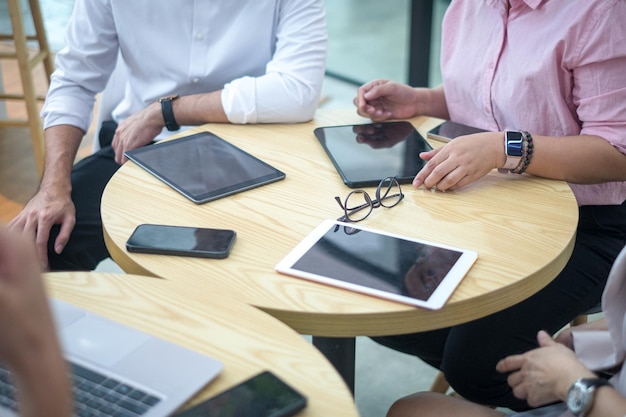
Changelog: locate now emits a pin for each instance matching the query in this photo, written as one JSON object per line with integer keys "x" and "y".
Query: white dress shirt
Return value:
{"x": 268, "y": 56}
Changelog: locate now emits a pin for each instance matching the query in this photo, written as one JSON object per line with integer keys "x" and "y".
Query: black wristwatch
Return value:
{"x": 168, "y": 113}
{"x": 581, "y": 393}
{"x": 513, "y": 149}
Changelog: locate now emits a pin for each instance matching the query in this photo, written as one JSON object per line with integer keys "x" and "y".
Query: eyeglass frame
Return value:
{"x": 369, "y": 203}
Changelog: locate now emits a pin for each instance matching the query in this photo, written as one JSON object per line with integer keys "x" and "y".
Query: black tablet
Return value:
{"x": 365, "y": 154}
{"x": 204, "y": 167}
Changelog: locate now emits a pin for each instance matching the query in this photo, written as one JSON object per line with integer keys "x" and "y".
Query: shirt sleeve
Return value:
{"x": 82, "y": 67}
{"x": 595, "y": 349}
{"x": 600, "y": 78}
{"x": 290, "y": 89}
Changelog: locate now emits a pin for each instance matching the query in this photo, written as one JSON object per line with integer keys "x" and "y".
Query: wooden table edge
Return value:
{"x": 380, "y": 323}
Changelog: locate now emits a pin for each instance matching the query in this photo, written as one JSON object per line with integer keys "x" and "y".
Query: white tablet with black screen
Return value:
{"x": 204, "y": 167}
{"x": 394, "y": 267}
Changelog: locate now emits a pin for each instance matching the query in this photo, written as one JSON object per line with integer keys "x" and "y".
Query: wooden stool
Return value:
{"x": 18, "y": 39}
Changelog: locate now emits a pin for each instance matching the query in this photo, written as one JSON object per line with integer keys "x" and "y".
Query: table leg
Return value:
{"x": 340, "y": 351}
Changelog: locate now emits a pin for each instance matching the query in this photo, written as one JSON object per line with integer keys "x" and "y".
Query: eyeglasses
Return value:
{"x": 358, "y": 204}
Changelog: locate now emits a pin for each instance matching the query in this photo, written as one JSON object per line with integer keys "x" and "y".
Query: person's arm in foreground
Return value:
{"x": 29, "y": 343}
{"x": 544, "y": 375}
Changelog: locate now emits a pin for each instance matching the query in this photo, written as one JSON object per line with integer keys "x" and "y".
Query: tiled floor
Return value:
{"x": 368, "y": 39}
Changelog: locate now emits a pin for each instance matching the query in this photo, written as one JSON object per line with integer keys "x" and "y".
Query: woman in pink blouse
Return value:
{"x": 547, "y": 80}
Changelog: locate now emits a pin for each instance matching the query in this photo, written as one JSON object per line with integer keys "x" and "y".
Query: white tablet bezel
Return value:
{"x": 437, "y": 300}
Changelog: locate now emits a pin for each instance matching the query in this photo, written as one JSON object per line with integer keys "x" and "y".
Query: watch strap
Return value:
{"x": 595, "y": 382}
{"x": 168, "y": 113}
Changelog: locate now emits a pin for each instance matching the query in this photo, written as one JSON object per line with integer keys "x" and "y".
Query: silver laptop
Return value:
{"x": 127, "y": 372}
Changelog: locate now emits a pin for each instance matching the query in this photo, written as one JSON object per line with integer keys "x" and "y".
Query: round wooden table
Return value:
{"x": 243, "y": 338}
{"x": 522, "y": 228}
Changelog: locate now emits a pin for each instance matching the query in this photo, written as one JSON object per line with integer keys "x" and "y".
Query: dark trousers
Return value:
{"x": 86, "y": 248}
{"x": 468, "y": 353}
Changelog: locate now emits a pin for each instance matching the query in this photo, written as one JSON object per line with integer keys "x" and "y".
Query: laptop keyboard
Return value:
{"x": 95, "y": 395}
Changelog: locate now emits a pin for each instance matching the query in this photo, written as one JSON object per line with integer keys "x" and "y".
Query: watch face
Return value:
{"x": 578, "y": 398}
{"x": 576, "y": 401}
{"x": 514, "y": 143}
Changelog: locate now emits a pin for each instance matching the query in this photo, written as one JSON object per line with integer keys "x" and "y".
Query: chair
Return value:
{"x": 440, "y": 384}
{"x": 18, "y": 40}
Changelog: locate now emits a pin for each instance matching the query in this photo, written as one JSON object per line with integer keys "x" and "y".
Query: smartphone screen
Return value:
{"x": 263, "y": 395}
{"x": 181, "y": 241}
{"x": 449, "y": 130}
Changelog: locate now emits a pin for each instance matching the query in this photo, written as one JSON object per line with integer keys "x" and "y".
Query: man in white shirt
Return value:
{"x": 183, "y": 63}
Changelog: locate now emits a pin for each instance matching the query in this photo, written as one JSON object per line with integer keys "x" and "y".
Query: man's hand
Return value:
{"x": 137, "y": 130}
{"x": 44, "y": 210}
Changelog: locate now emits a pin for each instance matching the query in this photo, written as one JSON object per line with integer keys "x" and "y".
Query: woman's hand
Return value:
{"x": 383, "y": 100}
{"x": 461, "y": 161}
{"x": 543, "y": 375}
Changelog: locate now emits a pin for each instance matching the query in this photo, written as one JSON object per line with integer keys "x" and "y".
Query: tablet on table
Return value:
{"x": 386, "y": 265}
{"x": 204, "y": 167}
{"x": 365, "y": 154}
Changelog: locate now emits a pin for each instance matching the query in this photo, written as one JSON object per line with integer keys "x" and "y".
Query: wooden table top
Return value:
{"x": 244, "y": 338}
{"x": 522, "y": 227}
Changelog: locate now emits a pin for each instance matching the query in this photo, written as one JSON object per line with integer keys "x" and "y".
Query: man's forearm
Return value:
{"x": 199, "y": 109}
{"x": 62, "y": 144}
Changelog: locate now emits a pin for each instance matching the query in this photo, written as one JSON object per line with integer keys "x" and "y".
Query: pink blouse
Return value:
{"x": 551, "y": 67}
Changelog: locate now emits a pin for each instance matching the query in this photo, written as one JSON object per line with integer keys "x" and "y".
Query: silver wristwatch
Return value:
{"x": 581, "y": 393}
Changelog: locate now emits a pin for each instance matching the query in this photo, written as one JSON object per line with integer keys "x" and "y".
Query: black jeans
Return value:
{"x": 468, "y": 353}
{"x": 86, "y": 248}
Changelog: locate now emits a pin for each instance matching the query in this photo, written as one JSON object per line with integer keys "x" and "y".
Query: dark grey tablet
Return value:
{"x": 365, "y": 154}
{"x": 204, "y": 167}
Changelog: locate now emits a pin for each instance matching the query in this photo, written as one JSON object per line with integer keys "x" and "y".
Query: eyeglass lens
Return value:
{"x": 358, "y": 204}
{"x": 389, "y": 192}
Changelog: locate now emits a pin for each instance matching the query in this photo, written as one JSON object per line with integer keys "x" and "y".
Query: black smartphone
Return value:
{"x": 263, "y": 395}
{"x": 181, "y": 241}
{"x": 449, "y": 130}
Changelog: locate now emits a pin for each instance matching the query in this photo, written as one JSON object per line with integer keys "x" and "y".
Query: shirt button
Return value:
{"x": 195, "y": 80}
{"x": 199, "y": 36}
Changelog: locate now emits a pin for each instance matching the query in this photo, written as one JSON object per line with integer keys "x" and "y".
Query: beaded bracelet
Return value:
{"x": 527, "y": 153}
